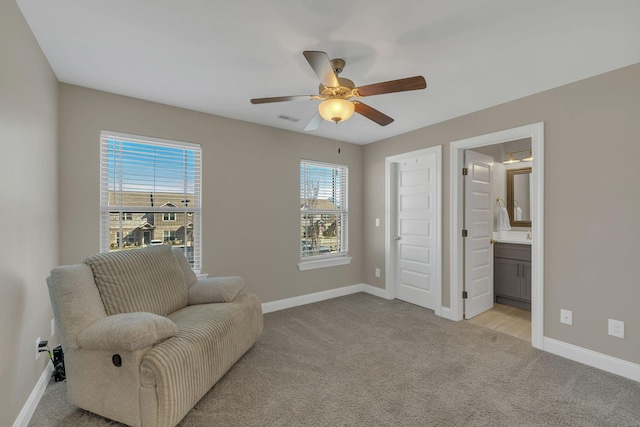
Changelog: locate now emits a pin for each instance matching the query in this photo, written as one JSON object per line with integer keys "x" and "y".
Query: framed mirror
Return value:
{"x": 519, "y": 197}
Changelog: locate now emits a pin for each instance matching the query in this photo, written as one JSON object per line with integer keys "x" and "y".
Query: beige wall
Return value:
{"x": 250, "y": 191}
{"x": 592, "y": 202}
{"x": 29, "y": 215}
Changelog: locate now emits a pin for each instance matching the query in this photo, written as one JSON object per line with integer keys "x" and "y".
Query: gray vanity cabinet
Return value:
{"x": 512, "y": 274}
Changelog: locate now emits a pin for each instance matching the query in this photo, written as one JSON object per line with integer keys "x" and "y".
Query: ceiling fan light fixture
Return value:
{"x": 336, "y": 109}
{"x": 336, "y": 92}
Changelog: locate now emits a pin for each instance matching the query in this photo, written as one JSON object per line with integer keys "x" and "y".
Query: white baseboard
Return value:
{"x": 592, "y": 358}
{"x": 378, "y": 292}
{"x": 34, "y": 398}
{"x": 283, "y": 304}
{"x": 447, "y": 313}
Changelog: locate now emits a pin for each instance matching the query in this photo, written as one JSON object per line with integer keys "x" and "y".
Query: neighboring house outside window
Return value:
{"x": 323, "y": 214}
{"x": 150, "y": 194}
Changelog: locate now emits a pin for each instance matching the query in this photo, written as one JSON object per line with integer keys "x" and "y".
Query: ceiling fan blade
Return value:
{"x": 372, "y": 114}
{"x": 314, "y": 123}
{"x": 402, "y": 85}
{"x": 321, "y": 65}
{"x": 282, "y": 99}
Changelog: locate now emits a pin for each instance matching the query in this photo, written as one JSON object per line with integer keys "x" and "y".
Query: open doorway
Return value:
{"x": 459, "y": 282}
{"x": 507, "y": 319}
{"x": 503, "y": 206}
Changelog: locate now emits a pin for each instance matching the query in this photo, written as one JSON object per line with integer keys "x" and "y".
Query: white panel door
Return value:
{"x": 415, "y": 240}
{"x": 478, "y": 220}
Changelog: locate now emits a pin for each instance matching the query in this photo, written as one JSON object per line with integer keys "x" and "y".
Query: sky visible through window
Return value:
{"x": 150, "y": 168}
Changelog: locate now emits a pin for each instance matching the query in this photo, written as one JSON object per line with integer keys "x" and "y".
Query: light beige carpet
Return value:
{"x": 364, "y": 361}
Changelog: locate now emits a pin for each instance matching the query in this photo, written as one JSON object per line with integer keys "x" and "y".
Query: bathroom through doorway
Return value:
{"x": 481, "y": 234}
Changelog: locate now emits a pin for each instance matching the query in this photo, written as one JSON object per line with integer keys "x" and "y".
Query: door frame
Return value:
{"x": 534, "y": 131}
{"x": 390, "y": 218}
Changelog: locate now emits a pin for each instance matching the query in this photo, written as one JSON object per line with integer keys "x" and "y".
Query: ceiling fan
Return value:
{"x": 337, "y": 92}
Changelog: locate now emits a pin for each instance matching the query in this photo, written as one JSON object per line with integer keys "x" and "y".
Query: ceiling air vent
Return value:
{"x": 289, "y": 118}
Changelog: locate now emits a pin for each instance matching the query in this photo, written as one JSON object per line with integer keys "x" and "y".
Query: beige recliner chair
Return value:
{"x": 143, "y": 339}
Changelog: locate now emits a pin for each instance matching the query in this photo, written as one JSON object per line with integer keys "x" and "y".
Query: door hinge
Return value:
{"x": 464, "y": 294}
{"x": 464, "y": 233}
{"x": 465, "y": 171}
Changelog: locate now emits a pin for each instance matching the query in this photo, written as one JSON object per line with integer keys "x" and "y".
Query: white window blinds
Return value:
{"x": 150, "y": 191}
{"x": 323, "y": 209}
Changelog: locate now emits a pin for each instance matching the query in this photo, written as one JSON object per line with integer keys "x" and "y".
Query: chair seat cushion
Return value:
{"x": 211, "y": 337}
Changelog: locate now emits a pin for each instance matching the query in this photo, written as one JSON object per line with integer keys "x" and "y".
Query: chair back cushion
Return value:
{"x": 189, "y": 276}
{"x": 147, "y": 279}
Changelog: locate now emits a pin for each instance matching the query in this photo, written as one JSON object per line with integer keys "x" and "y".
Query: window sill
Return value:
{"x": 322, "y": 263}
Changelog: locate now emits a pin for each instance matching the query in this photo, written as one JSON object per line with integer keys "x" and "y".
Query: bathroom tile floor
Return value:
{"x": 506, "y": 319}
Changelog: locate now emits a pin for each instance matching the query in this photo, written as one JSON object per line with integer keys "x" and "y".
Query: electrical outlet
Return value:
{"x": 566, "y": 317}
{"x": 53, "y": 327}
{"x": 377, "y": 222}
{"x": 616, "y": 328}
{"x": 377, "y": 272}
{"x": 37, "y": 348}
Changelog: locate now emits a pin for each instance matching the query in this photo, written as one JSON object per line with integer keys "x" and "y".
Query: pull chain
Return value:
{"x": 337, "y": 138}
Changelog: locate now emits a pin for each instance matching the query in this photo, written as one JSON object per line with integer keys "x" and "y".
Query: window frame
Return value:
{"x": 309, "y": 262}
{"x": 195, "y": 206}
{"x": 168, "y": 235}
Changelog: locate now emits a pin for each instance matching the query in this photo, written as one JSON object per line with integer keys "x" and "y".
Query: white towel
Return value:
{"x": 503, "y": 220}
{"x": 517, "y": 213}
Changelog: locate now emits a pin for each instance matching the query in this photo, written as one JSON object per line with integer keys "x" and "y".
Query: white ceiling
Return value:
{"x": 215, "y": 55}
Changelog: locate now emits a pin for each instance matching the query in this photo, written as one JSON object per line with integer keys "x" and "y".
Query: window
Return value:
{"x": 323, "y": 214}
{"x": 144, "y": 182}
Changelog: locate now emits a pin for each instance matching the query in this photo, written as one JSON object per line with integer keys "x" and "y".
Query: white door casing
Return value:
{"x": 536, "y": 133}
{"x": 413, "y": 225}
{"x": 478, "y": 221}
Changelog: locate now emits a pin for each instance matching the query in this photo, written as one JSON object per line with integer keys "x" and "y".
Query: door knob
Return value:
{"x": 397, "y": 238}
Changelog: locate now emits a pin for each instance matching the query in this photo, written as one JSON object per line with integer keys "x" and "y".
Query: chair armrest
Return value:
{"x": 126, "y": 332}
{"x": 215, "y": 289}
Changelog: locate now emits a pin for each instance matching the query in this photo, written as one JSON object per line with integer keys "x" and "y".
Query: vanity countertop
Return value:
{"x": 517, "y": 237}
{"x": 516, "y": 241}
